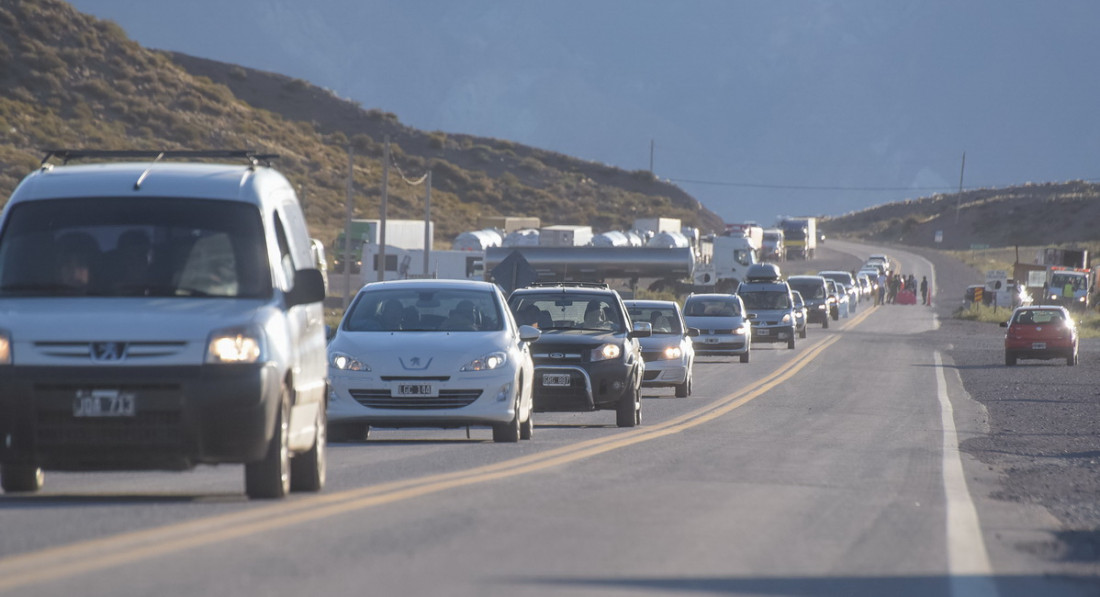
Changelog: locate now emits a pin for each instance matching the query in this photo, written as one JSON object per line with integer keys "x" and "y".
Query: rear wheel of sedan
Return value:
{"x": 20, "y": 477}
{"x": 1010, "y": 359}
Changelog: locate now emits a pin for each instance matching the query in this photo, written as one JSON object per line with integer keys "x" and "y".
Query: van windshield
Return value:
{"x": 120, "y": 246}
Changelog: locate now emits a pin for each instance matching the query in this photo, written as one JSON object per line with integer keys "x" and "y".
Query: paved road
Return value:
{"x": 830, "y": 469}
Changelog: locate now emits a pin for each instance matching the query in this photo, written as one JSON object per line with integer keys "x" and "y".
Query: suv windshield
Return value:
{"x": 766, "y": 299}
{"x": 559, "y": 311}
{"x": 134, "y": 247}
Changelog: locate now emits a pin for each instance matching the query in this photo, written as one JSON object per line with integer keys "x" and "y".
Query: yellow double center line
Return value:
{"x": 128, "y": 548}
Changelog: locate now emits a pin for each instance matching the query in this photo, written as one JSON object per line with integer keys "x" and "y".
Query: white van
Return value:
{"x": 159, "y": 315}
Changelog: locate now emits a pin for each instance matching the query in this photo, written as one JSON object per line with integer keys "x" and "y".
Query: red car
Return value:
{"x": 1035, "y": 332}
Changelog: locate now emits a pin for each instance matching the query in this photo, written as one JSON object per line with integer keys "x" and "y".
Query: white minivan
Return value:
{"x": 159, "y": 314}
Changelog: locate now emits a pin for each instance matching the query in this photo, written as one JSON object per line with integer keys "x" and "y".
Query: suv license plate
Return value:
{"x": 103, "y": 403}
{"x": 1038, "y": 346}
{"x": 414, "y": 390}
{"x": 553, "y": 379}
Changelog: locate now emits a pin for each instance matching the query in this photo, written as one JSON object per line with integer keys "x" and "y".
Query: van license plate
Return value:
{"x": 414, "y": 390}
{"x": 558, "y": 380}
{"x": 103, "y": 403}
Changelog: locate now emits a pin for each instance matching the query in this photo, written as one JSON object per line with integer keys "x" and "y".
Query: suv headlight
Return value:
{"x": 346, "y": 362}
{"x": 491, "y": 361}
{"x": 236, "y": 345}
{"x": 5, "y": 347}
{"x": 607, "y": 351}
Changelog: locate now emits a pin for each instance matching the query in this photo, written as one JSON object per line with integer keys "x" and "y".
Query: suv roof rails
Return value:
{"x": 254, "y": 158}
{"x": 577, "y": 284}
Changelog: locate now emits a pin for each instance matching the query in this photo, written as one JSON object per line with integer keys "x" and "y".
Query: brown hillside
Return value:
{"x": 1028, "y": 215}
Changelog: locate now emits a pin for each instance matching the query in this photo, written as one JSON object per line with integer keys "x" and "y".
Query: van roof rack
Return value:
{"x": 254, "y": 158}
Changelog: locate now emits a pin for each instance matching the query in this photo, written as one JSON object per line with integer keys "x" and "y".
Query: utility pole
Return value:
{"x": 652, "y": 147}
{"x": 347, "y": 228}
{"x": 382, "y": 214}
{"x": 958, "y": 200}
{"x": 427, "y": 221}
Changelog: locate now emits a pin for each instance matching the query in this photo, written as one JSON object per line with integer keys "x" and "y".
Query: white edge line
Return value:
{"x": 967, "y": 559}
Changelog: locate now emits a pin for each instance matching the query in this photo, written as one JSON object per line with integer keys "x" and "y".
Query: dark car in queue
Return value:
{"x": 815, "y": 293}
{"x": 588, "y": 356}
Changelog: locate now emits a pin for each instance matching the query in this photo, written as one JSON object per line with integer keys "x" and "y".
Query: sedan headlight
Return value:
{"x": 493, "y": 360}
{"x": 346, "y": 362}
{"x": 606, "y": 352}
{"x": 236, "y": 345}
{"x": 672, "y": 353}
{"x": 5, "y": 347}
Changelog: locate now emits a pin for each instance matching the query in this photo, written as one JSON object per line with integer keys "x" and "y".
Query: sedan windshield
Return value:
{"x": 712, "y": 308}
{"x": 424, "y": 310}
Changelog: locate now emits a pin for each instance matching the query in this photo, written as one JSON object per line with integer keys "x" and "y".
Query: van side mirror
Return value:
{"x": 309, "y": 287}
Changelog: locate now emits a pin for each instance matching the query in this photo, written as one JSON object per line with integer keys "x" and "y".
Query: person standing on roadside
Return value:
{"x": 880, "y": 298}
{"x": 924, "y": 290}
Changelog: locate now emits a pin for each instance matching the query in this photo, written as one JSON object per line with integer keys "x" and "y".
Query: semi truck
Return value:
{"x": 773, "y": 249}
{"x": 730, "y": 259}
{"x": 799, "y": 236}
{"x": 403, "y": 234}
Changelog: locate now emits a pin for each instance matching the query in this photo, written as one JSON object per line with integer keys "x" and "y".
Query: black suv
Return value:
{"x": 588, "y": 356}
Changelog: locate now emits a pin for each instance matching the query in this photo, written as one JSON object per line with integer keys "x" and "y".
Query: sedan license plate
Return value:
{"x": 556, "y": 379}
{"x": 412, "y": 390}
{"x": 103, "y": 403}
{"x": 1038, "y": 346}
{"x": 761, "y": 331}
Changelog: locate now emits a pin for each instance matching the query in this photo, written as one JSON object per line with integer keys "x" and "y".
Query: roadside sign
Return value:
{"x": 996, "y": 279}
{"x": 939, "y": 236}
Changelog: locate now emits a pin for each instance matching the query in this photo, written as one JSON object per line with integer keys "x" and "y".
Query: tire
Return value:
{"x": 527, "y": 428}
{"x": 1010, "y": 359}
{"x": 684, "y": 390}
{"x": 508, "y": 432}
{"x": 270, "y": 477}
{"x": 628, "y": 414}
{"x": 308, "y": 469}
{"x": 745, "y": 357}
{"x": 790, "y": 342}
{"x": 1071, "y": 360}
{"x": 836, "y": 314}
{"x": 825, "y": 324}
{"x": 21, "y": 478}
{"x": 802, "y": 333}
{"x": 347, "y": 432}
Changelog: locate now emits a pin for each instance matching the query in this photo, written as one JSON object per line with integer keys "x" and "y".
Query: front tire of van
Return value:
{"x": 20, "y": 478}
{"x": 270, "y": 477}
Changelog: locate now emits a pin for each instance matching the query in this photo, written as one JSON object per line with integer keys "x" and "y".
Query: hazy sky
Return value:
{"x": 758, "y": 108}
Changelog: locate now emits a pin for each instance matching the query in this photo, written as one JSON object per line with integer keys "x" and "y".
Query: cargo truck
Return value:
{"x": 799, "y": 236}
{"x": 403, "y": 234}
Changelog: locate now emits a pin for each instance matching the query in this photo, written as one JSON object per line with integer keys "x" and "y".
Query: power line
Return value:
{"x": 751, "y": 185}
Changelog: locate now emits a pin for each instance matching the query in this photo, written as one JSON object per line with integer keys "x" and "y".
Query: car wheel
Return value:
{"x": 1010, "y": 359}
{"x": 21, "y": 477}
{"x": 802, "y": 333}
{"x": 627, "y": 414}
{"x": 825, "y": 324}
{"x": 270, "y": 477}
{"x": 745, "y": 357}
{"x": 508, "y": 432}
{"x": 308, "y": 469}
{"x": 790, "y": 342}
{"x": 684, "y": 390}
{"x": 348, "y": 432}
{"x": 527, "y": 428}
{"x": 1071, "y": 360}
{"x": 836, "y": 314}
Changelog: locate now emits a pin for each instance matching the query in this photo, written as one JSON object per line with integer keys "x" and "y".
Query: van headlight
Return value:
{"x": 606, "y": 352}
{"x": 236, "y": 345}
{"x": 488, "y": 362}
{"x": 5, "y": 347}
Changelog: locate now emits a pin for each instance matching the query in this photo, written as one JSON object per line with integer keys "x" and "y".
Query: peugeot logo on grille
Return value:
{"x": 108, "y": 351}
{"x": 415, "y": 363}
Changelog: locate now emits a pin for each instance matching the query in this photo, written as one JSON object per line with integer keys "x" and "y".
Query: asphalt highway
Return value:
{"x": 831, "y": 469}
